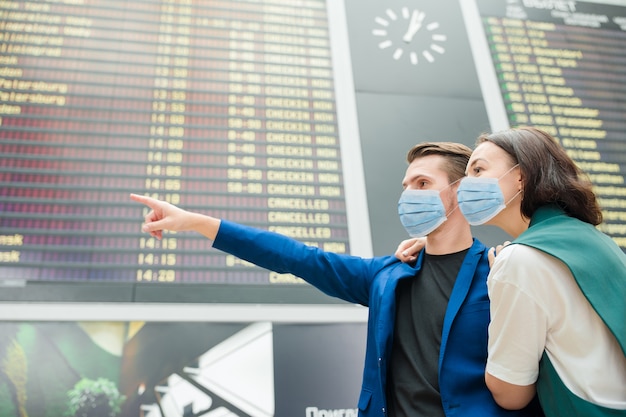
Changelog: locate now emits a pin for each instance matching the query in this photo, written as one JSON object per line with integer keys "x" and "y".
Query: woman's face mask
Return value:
{"x": 481, "y": 199}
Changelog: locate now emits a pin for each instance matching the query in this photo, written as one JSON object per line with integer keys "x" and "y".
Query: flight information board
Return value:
{"x": 224, "y": 107}
{"x": 561, "y": 66}
{"x": 237, "y": 109}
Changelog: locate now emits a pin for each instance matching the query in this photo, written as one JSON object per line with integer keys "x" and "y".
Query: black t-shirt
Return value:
{"x": 421, "y": 302}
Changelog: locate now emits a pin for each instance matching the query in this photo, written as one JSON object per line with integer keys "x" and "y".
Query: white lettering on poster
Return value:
{"x": 341, "y": 412}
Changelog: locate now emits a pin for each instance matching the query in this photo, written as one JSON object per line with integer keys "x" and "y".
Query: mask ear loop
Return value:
{"x": 508, "y": 170}
{"x": 452, "y": 211}
{"x": 504, "y": 175}
{"x": 513, "y": 198}
{"x": 457, "y": 203}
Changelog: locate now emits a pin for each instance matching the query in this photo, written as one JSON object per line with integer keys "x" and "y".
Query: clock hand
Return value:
{"x": 414, "y": 25}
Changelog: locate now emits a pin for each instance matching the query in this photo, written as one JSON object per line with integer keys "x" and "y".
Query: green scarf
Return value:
{"x": 599, "y": 268}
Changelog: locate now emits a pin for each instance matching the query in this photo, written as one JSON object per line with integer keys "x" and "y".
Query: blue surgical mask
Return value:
{"x": 421, "y": 211}
{"x": 480, "y": 199}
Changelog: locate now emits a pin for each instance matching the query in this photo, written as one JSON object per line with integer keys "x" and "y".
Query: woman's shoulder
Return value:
{"x": 518, "y": 263}
{"x": 519, "y": 254}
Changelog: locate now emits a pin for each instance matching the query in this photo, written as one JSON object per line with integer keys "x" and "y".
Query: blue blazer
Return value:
{"x": 372, "y": 283}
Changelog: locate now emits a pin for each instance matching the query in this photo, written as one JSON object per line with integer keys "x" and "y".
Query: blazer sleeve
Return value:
{"x": 338, "y": 275}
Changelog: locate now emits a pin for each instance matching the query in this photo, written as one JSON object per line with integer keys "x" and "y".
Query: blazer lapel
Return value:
{"x": 459, "y": 291}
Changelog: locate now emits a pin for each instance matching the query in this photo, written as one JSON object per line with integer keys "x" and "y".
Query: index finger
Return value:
{"x": 148, "y": 201}
{"x": 491, "y": 256}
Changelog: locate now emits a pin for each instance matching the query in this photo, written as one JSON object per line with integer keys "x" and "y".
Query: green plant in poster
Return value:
{"x": 94, "y": 398}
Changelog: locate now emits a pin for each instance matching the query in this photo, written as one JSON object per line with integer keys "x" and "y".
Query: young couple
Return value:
{"x": 436, "y": 345}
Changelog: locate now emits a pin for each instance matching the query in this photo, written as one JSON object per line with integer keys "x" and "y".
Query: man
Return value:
{"x": 427, "y": 327}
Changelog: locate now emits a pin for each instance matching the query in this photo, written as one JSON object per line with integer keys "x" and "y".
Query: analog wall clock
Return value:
{"x": 410, "y": 35}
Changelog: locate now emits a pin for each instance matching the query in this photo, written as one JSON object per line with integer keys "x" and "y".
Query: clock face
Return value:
{"x": 409, "y": 35}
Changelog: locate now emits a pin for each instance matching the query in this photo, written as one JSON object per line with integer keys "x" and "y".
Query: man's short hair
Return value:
{"x": 456, "y": 155}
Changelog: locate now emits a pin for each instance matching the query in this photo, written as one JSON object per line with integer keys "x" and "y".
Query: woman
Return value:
{"x": 558, "y": 291}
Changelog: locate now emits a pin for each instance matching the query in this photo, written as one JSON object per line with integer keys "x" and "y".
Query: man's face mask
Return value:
{"x": 421, "y": 211}
{"x": 481, "y": 199}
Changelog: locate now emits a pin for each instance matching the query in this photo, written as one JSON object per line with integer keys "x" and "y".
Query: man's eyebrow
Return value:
{"x": 417, "y": 176}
